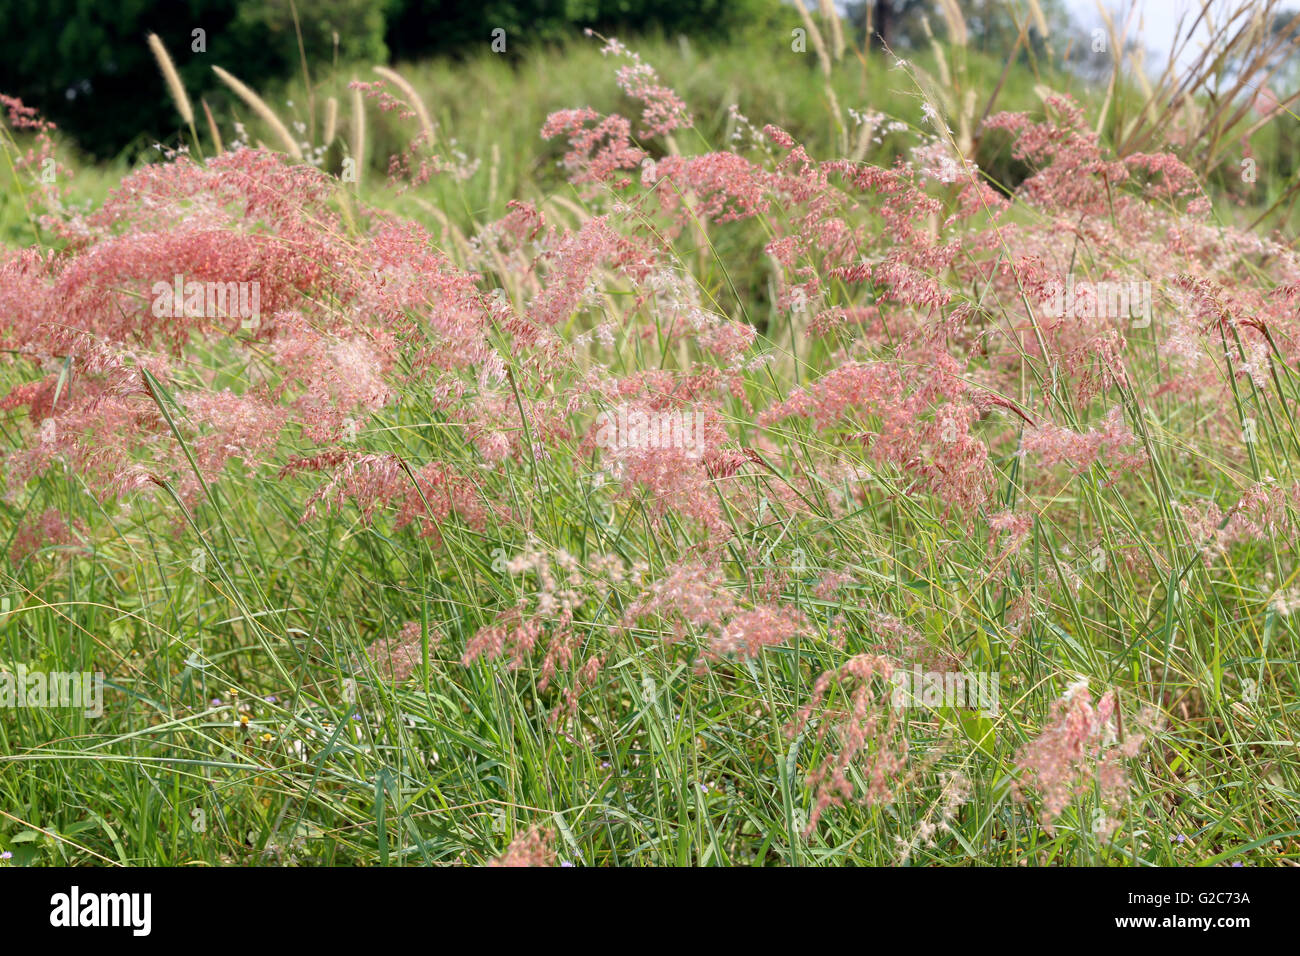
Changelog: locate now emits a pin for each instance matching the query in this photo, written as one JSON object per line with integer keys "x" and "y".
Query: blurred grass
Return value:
{"x": 489, "y": 110}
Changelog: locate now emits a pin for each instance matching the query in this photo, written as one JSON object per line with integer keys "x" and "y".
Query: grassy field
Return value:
{"x": 371, "y": 581}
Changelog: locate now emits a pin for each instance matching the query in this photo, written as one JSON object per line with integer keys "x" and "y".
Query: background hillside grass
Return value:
{"x": 336, "y": 765}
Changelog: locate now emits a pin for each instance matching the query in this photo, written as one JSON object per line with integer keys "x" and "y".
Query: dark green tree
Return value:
{"x": 422, "y": 27}
{"x": 87, "y": 67}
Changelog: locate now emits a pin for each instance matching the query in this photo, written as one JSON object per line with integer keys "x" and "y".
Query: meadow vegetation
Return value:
{"x": 632, "y": 448}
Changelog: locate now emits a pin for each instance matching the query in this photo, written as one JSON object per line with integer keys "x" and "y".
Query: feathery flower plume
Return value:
{"x": 173, "y": 79}
{"x": 1077, "y": 751}
{"x": 532, "y": 848}
{"x": 413, "y": 99}
{"x": 358, "y": 129}
{"x": 258, "y": 106}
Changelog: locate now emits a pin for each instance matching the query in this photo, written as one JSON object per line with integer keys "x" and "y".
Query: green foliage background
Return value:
{"x": 86, "y": 65}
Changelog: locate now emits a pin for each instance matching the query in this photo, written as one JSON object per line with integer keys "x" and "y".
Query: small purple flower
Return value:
{"x": 564, "y": 863}
{"x": 1237, "y": 863}
{"x": 6, "y": 855}
{"x": 216, "y": 702}
{"x": 1180, "y": 838}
